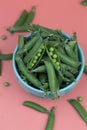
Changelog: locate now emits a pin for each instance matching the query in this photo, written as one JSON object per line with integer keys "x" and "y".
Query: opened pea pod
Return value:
{"x": 37, "y": 57}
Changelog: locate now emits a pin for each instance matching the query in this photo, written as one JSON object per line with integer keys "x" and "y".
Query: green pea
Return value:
{"x": 51, "y": 49}
{"x": 38, "y": 54}
{"x": 30, "y": 67}
{"x": 58, "y": 67}
{"x": 6, "y": 84}
{"x": 42, "y": 46}
{"x": 36, "y": 57}
{"x": 3, "y": 37}
{"x": 32, "y": 64}
{"x": 58, "y": 63}
{"x": 34, "y": 61}
{"x": 80, "y": 99}
{"x": 40, "y": 50}
{"x": 54, "y": 60}
{"x": 54, "y": 56}
{"x": 51, "y": 53}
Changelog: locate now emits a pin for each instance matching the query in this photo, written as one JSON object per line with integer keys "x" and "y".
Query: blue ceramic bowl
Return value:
{"x": 40, "y": 93}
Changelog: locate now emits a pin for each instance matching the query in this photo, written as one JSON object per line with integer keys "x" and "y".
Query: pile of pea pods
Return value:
{"x": 48, "y": 60}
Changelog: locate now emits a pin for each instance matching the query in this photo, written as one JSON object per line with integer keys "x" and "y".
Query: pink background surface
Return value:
{"x": 67, "y": 15}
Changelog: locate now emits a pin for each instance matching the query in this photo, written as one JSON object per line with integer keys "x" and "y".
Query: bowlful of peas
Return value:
{"x": 48, "y": 63}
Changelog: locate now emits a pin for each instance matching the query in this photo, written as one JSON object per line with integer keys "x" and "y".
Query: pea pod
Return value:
{"x": 67, "y": 60}
{"x": 61, "y": 49}
{"x": 75, "y": 45}
{"x": 29, "y": 44}
{"x": 6, "y": 56}
{"x": 68, "y": 74}
{"x": 26, "y": 73}
{"x": 69, "y": 68}
{"x": 21, "y": 25}
{"x": 30, "y": 16}
{"x": 74, "y": 37}
{"x": 53, "y": 43}
{"x": 44, "y": 34}
{"x": 21, "y": 19}
{"x": 53, "y": 57}
{"x": 20, "y": 44}
{"x": 72, "y": 43}
{"x": 51, "y": 119}
{"x": 23, "y": 28}
{"x": 42, "y": 77}
{"x": 52, "y": 79}
{"x": 60, "y": 35}
{"x": 39, "y": 69}
{"x": 70, "y": 52}
{"x": 35, "y": 106}
{"x": 42, "y": 29}
{"x": 60, "y": 80}
{"x": 79, "y": 108}
{"x": 37, "y": 57}
{"x": 31, "y": 53}
{"x": 52, "y": 53}
{"x": 76, "y": 51}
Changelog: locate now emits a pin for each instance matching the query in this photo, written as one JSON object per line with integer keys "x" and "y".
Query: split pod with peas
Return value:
{"x": 37, "y": 57}
{"x": 53, "y": 57}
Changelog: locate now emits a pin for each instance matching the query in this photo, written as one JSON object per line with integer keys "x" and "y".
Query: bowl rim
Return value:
{"x": 38, "y": 90}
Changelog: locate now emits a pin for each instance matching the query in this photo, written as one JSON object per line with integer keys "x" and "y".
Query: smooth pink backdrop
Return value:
{"x": 67, "y": 15}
